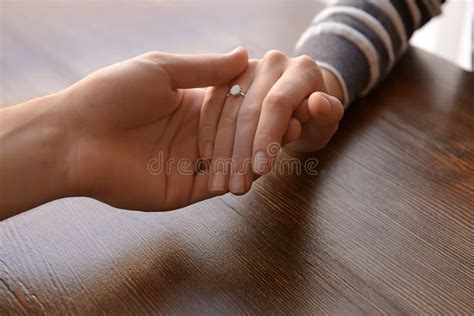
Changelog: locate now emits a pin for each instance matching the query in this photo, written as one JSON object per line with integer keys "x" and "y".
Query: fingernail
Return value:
{"x": 259, "y": 162}
{"x": 237, "y": 184}
{"x": 208, "y": 150}
{"x": 325, "y": 107}
{"x": 218, "y": 182}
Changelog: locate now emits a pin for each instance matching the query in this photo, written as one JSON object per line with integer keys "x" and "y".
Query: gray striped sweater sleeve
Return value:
{"x": 360, "y": 40}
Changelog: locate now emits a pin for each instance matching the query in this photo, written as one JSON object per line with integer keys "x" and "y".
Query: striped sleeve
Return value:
{"x": 360, "y": 40}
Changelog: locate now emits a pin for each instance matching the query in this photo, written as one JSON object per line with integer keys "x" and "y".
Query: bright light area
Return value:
{"x": 449, "y": 35}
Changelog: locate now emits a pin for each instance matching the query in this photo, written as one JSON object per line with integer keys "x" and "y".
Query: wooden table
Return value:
{"x": 385, "y": 227}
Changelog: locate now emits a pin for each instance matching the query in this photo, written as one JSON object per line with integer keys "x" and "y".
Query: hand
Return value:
{"x": 285, "y": 104}
{"x": 115, "y": 122}
{"x": 142, "y": 109}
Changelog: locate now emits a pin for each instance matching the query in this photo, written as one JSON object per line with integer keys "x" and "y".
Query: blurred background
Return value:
{"x": 47, "y": 45}
{"x": 450, "y": 35}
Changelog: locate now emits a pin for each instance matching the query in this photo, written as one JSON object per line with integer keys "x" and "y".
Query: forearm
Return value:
{"x": 359, "y": 41}
{"x": 333, "y": 85}
{"x": 33, "y": 155}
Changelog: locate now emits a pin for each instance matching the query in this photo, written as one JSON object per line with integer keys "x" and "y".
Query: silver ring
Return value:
{"x": 235, "y": 91}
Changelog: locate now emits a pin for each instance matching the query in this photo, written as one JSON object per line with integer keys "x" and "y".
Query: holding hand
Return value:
{"x": 284, "y": 104}
{"x": 97, "y": 137}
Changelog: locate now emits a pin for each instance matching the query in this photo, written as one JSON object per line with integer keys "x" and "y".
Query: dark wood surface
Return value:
{"x": 385, "y": 227}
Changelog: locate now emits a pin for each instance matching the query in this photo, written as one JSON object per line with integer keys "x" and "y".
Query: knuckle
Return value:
{"x": 306, "y": 62}
{"x": 156, "y": 53}
{"x": 153, "y": 55}
{"x": 277, "y": 100}
{"x": 314, "y": 76}
{"x": 274, "y": 56}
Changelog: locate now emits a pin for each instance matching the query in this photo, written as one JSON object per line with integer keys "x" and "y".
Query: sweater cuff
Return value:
{"x": 344, "y": 58}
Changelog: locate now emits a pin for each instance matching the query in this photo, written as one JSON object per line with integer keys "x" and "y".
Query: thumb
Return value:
{"x": 203, "y": 70}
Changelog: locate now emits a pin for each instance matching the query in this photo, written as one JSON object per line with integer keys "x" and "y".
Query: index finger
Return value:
{"x": 298, "y": 82}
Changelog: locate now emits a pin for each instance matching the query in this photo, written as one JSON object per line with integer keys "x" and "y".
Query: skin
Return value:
{"x": 107, "y": 136}
{"x": 285, "y": 104}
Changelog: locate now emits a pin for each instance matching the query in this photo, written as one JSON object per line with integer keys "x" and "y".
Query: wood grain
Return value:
{"x": 385, "y": 226}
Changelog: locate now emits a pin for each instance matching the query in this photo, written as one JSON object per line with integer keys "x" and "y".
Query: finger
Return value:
{"x": 209, "y": 118}
{"x": 302, "y": 116}
{"x": 201, "y": 70}
{"x": 293, "y": 131}
{"x": 268, "y": 72}
{"x": 324, "y": 109}
{"x": 319, "y": 108}
{"x": 200, "y": 188}
{"x": 224, "y": 140}
{"x": 302, "y": 112}
{"x": 324, "y": 113}
{"x": 299, "y": 81}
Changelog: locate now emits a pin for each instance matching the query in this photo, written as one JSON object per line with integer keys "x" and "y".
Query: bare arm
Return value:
{"x": 33, "y": 155}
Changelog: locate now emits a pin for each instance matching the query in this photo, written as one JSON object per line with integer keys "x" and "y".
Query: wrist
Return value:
{"x": 333, "y": 85}
{"x": 35, "y": 154}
